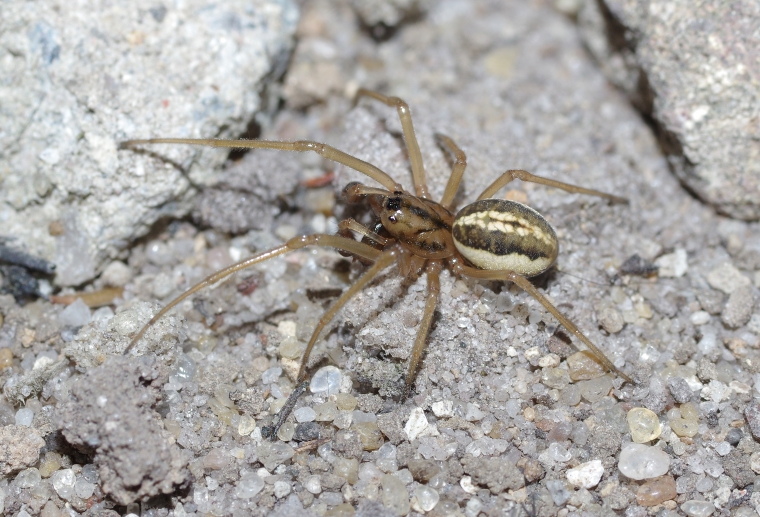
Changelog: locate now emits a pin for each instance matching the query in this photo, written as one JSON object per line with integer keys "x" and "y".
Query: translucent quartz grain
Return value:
{"x": 643, "y": 424}
{"x": 583, "y": 366}
{"x": 347, "y": 468}
{"x": 246, "y": 425}
{"x": 49, "y": 464}
{"x": 326, "y": 380}
{"x": 345, "y": 401}
{"x": 698, "y": 508}
{"x": 656, "y": 491}
{"x": 369, "y": 434}
{"x": 304, "y": 414}
{"x": 394, "y": 495}
{"x": 342, "y": 510}
{"x": 426, "y": 497}
{"x": 596, "y": 389}
{"x": 216, "y": 459}
{"x": 6, "y": 358}
{"x": 325, "y": 412}
{"x": 248, "y": 486}
{"x": 638, "y": 461}
{"x": 63, "y": 483}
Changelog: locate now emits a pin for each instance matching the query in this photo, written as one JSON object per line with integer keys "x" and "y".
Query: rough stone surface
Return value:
{"x": 19, "y": 448}
{"x": 110, "y": 414}
{"x": 693, "y": 68}
{"x": 72, "y": 93}
{"x": 492, "y": 473}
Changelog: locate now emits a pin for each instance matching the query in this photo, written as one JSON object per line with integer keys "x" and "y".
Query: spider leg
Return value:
{"x": 457, "y": 169}
{"x": 510, "y": 175}
{"x": 382, "y": 261}
{"x": 433, "y": 293}
{"x": 334, "y": 241}
{"x": 325, "y": 150}
{"x": 412, "y": 147}
{"x": 525, "y": 285}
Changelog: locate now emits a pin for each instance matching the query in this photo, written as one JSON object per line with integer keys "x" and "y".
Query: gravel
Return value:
{"x": 504, "y": 413}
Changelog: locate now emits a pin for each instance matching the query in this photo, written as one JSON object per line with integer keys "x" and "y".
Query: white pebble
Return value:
{"x": 425, "y": 498}
{"x": 83, "y": 488}
{"x": 326, "y": 381}
{"x": 586, "y": 475}
{"x": 63, "y": 483}
{"x": 443, "y": 408}
{"x": 416, "y": 424}
{"x": 304, "y": 414}
{"x": 698, "y": 508}
{"x": 473, "y": 413}
{"x": 558, "y": 453}
{"x": 313, "y": 484}
{"x": 24, "y": 416}
{"x": 248, "y": 486}
{"x": 638, "y": 461}
{"x": 699, "y": 318}
{"x": 75, "y": 314}
{"x": 281, "y": 489}
{"x": 673, "y": 265}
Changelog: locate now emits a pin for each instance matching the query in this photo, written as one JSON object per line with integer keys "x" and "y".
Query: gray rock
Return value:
{"x": 81, "y": 79}
{"x": 493, "y": 473}
{"x": 110, "y": 414}
{"x": 680, "y": 389}
{"x": 739, "y": 307}
{"x": 692, "y": 67}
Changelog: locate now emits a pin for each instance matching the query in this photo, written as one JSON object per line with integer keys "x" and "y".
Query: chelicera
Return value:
{"x": 490, "y": 239}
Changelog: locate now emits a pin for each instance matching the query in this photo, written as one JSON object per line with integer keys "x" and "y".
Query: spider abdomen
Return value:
{"x": 497, "y": 234}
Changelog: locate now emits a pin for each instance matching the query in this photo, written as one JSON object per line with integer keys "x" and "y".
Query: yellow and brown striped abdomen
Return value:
{"x": 497, "y": 234}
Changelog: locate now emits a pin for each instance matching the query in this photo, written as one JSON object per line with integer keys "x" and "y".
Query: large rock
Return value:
{"x": 693, "y": 67}
{"x": 78, "y": 80}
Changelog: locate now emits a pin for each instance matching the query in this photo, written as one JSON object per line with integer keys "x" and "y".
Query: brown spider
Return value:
{"x": 490, "y": 239}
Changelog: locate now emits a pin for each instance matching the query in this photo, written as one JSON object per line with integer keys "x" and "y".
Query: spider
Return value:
{"x": 490, "y": 239}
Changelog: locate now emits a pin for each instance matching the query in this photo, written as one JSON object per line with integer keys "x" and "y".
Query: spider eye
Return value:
{"x": 392, "y": 218}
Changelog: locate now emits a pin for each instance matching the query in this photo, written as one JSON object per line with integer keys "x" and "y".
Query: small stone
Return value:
{"x": 345, "y": 401}
{"x": 19, "y": 448}
{"x": 473, "y": 413}
{"x": 752, "y": 413}
{"x": 698, "y": 508}
{"x": 28, "y": 478}
{"x": 682, "y": 427}
{"x": 325, "y": 412}
{"x": 558, "y": 491}
{"x": 586, "y": 475}
{"x": 558, "y": 453}
{"x": 739, "y": 307}
{"x": 307, "y": 431}
{"x": 425, "y": 498}
{"x": 394, "y": 495}
{"x": 423, "y": 470}
{"x": 63, "y": 483}
{"x": 699, "y": 318}
{"x": 369, "y": 434}
{"x": 611, "y": 320}
{"x": 6, "y": 357}
{"x": 24, "y": 417}
{"x": 290, "y": 348}
{"x": 673, "y": 265}
{"x": 754, "y": 462}
{"x": 273, "y": 454}
{"x": 249, "y": 485}
{"x": 281, "y": 489}
{"x": 116, "y": 274}
{"x": 286, "y": 431}
{"x": 443, "y": 408}
{"x": 216, "y": 459}
{"x": 727, "y": 278}
{"x": 734, "y": 436}
{"x": 304, "y": 414}
{"x": 656, "y": 491}
{"x": 557, "y": 378}
{"x": 638, "y": 461}
{"x": 246, "y": 425}
{"x": 416, "y": 425}
{"x": 679, "y": 389}
{"x": 326, "y": 381}
{"x": 583, "y": 366}
{"x": 596, "y": 389}
{"x": 49, "y": 464}
{"x": 83, "y": 488}
{"x": 313, "y": 484}
{"x": 347, "y": 468}
{"x": 76, "y": 314}
{"x": 644, "y": 425}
